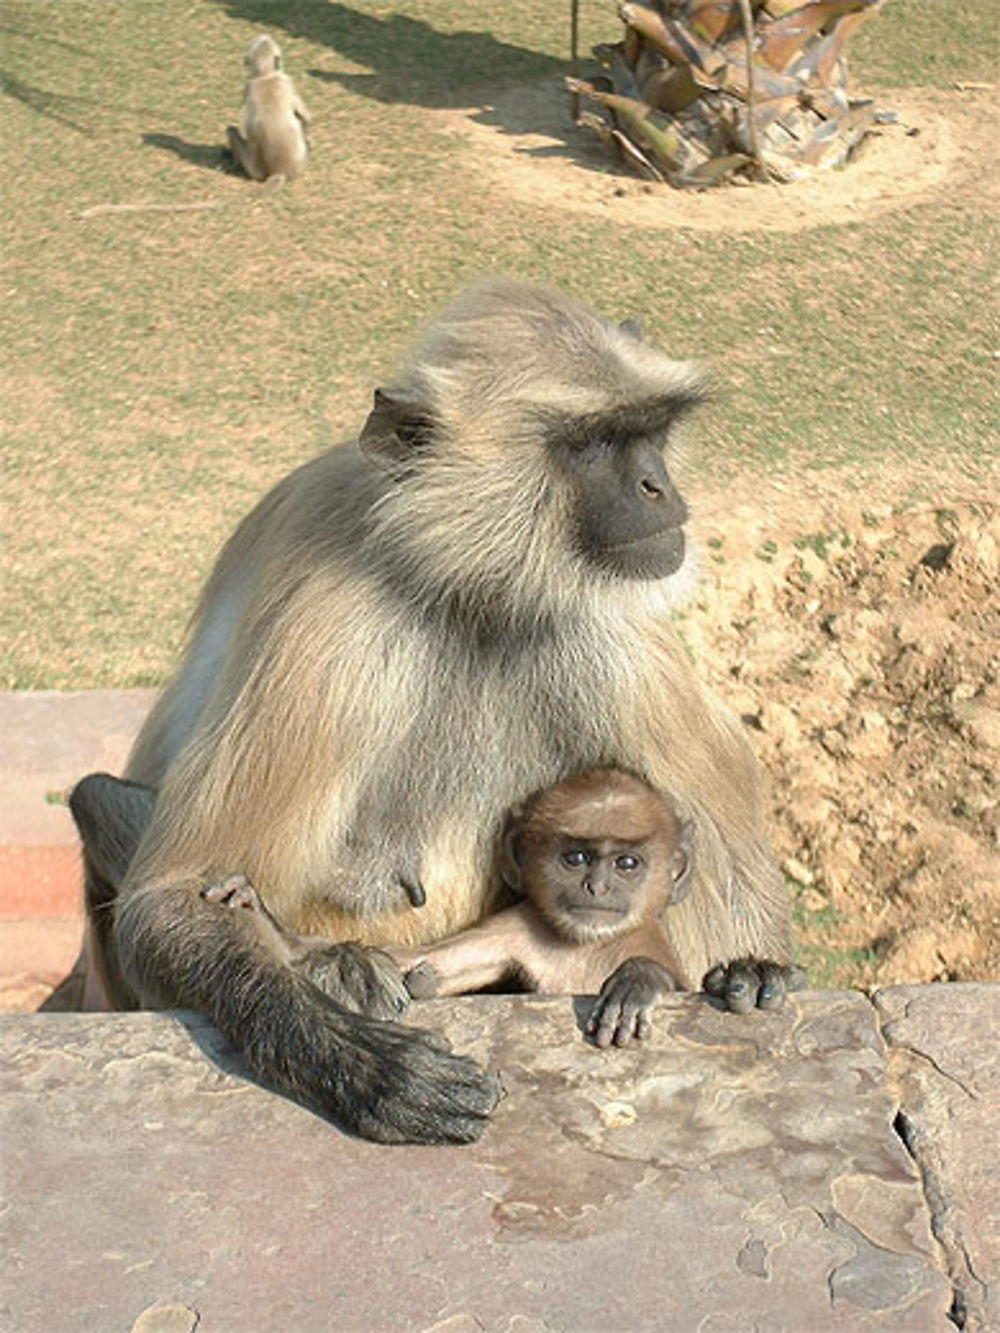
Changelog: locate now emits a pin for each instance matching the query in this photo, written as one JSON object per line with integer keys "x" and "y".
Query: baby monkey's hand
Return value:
{"x": 422, "y": 981}
{"x": 624, "y": 1009}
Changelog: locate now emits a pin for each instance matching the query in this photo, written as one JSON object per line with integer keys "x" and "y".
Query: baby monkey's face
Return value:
{"x": 589, "y": 888}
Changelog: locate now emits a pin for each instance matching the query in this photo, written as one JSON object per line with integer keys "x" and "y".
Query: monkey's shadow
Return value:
{"x": 214, "y": 1046}
{"x": 208, "y": 156}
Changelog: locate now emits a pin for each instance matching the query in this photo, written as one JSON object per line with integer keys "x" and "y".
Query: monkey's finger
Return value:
{"x": 643, "y": 1024}
{"x": 418, "y": 1092}
{"x": 776, "y": 982}
{"x": 714, "y": 982}
{"x": 604, "y": 1021}
{"x": 773, "y": 986}
{"x": 226, "y": 889}
{"x": 628, "y": 1022}
{"x": 741, "y": 989}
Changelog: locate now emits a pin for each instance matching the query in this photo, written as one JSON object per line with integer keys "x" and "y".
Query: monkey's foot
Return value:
{"x": 362, "y": 979}
{"x": 624, "y": 1009}
{"x": 752, "y": 983}
{"x": 234, "y": 891}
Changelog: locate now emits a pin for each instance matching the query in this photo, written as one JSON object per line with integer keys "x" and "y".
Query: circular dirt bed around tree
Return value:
{"x": 524, "y": 144}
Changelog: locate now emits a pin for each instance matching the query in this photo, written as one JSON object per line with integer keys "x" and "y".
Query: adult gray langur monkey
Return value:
{"x": 273, "y": 139}
{"x": 406, "y": 637}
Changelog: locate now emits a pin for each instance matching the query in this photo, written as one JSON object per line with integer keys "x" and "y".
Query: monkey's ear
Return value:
{"x": 397, "y": 426}
{"x": 683, "y": 863}
{"x": 510, "y": 865}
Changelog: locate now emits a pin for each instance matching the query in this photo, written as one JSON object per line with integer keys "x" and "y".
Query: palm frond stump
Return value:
{"x": 701, "y": 91}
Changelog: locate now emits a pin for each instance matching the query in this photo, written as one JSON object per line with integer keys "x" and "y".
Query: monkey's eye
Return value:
{"x": 575, "y": 858}
{"x": 627, "y": 862}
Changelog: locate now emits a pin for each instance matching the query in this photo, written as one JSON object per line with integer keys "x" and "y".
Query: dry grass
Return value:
{"x": 163, "y": 368}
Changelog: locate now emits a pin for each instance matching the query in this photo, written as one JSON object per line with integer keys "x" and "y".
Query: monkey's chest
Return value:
{"x": 571, "y": 969}
{"x": 417, "y": 842}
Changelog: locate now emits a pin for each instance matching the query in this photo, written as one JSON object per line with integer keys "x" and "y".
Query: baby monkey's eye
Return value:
{"x": 627, "y": 862}
{"x": 575, "y": 858}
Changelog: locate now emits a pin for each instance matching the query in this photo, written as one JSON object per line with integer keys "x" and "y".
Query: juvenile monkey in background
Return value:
{"x": 274, "y": 141}
{"x": 598, "y": 858}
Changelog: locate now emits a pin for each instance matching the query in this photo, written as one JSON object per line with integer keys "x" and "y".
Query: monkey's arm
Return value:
{"x": 217, "y": 806}
{"x": 300, "y": 109}
{"x": 470, "y": 960}
{"x": 381, "y": 1080}
{"x": 738, "y": 907}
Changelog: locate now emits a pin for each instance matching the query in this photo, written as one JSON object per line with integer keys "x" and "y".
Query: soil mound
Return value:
{"x": 862, "y": 649}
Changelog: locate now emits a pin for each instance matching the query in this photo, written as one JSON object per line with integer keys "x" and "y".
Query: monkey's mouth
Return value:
{"x": 596, "y": 915}
{"x": 655, "y": 555}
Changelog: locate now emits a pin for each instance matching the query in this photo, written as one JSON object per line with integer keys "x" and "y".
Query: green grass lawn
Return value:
{"x": 162, "y": 369}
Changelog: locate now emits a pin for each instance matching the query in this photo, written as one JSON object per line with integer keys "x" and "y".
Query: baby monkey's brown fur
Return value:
{"x": 598, "y": 857}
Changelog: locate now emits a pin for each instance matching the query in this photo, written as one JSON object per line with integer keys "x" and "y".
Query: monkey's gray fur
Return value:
{"x": 405, "y": 638}
{"x": 273, "y": 139}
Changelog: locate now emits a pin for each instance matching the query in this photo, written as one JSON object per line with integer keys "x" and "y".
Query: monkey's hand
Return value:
{"x": 624, "y": 1008}
{"x": 752, "y": 983}
{"x": 362, "y": 979}
{"x": 422, "y": 981}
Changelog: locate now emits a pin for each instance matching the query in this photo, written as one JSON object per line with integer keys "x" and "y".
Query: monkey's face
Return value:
{"x": 630, "y": 517}
{"x": 589, "y": 889}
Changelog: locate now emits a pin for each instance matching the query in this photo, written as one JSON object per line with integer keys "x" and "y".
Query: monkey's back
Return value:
{"x": 271, "y": 126}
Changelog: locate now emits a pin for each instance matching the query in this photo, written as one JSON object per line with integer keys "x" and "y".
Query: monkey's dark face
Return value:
{"x": 589, "y": 888}
{"x": 629, "y": 516}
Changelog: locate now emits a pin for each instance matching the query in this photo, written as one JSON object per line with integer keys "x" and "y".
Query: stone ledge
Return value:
{"x": 944, "y": 1044}
{"x": 50, "y": 740}
{"x": 734, "y": 1173}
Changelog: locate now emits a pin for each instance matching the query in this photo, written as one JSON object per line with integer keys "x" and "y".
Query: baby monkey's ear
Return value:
{"x": 510, "y": 850}
{"x": 682, "y": 862}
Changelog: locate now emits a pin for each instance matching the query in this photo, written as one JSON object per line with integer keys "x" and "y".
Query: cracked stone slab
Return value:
{"x": 944, "y": 1044}
{"x": 734, "y": 1173}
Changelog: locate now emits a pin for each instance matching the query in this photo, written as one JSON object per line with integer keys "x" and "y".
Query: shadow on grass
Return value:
{"x": 209, "y": 156}
{"x": 411, "y": 62}
{"x": 53, "y": 106}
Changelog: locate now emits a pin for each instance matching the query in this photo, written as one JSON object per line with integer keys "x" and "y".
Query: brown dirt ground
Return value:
{"x": 859, "y": 639}
{"x": 528, "y": 142}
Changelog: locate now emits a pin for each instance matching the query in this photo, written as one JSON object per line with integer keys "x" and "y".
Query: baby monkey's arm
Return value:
{"x": 475, "y": 958}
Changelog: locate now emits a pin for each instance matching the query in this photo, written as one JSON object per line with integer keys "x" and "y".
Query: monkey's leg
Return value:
{"x": 752, "y": 983}
{"x": 361, "y": 978}
{"x": 384, "y": 1081}
{"x": 243, "y": 153}
{"x": 624, "y": 1009}
{"x": 111, "y": 815}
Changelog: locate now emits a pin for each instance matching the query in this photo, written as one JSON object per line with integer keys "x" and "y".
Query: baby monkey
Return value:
{"x": 598, "y": 858}
{"x": 274, "y": 121}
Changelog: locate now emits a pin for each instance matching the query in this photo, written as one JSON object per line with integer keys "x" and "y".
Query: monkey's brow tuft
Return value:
{"x": 622, "y": 425}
